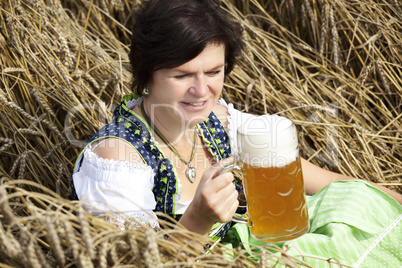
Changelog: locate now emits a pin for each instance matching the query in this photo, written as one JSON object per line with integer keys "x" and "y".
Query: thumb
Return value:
{"x": 218, "y": 168}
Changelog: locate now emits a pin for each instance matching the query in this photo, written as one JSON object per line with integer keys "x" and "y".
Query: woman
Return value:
{"x": 163, "y": 150}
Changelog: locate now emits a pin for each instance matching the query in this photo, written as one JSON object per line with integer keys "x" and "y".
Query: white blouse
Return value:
{"x": 124, "y": 189}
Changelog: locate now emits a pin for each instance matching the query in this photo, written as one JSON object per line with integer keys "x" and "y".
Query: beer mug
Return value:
{"x": 272, "y": 179}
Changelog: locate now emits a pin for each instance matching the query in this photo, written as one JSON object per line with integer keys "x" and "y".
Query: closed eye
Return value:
{"x": 181, "y": 76}
{"x": 214, "y": 72}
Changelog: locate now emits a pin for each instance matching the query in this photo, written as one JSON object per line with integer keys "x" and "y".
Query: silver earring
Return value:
{"x": 145, "y": 91}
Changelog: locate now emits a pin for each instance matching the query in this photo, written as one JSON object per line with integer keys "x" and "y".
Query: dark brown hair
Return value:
{"x": 169, "y": 33}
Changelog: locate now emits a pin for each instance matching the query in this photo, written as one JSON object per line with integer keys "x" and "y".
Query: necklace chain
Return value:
{"x": 191, "y": 178}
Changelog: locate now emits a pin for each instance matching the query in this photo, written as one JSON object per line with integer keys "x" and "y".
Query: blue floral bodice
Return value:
{"x": 128, "y": 126}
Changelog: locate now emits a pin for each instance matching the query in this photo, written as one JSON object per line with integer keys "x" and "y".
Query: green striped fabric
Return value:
{"x": 350, "y": 221}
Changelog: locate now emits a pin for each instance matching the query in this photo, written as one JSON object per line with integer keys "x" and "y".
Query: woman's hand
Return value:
{"x": 215, "y": 200}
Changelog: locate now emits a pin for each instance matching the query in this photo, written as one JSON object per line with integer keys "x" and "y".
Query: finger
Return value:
{"x": 213, "y": 171}
{"x": 233, "y": 203}
{"x": 227, "y": 165}
{"x": 222, "y": 181}
{"x": 225, "y": 196}
{"x": 229, "y": 207}
{"x": 225, "y": 184}
{"x": 233, "y": 208}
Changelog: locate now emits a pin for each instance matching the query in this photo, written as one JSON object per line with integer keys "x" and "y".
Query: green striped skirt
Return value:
{"x": 350, "y": 221}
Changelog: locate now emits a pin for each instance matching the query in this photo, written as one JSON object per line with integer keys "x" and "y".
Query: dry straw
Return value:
{"x": 333, "y": 67}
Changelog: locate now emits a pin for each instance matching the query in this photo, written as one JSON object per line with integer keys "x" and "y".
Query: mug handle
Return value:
{"x": 241, "y": 218}
{"x": 236, "y": 217}
{"x": 228, "y": 168}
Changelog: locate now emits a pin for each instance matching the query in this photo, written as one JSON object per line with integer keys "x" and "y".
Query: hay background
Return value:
{"x": 333, "y": 67}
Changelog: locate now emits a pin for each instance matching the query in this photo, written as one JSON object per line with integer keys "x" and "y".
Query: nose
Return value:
{"x": 199, "y": 87}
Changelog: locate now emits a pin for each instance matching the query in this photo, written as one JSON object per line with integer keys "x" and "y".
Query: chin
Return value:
{"x": 198, "y": 114}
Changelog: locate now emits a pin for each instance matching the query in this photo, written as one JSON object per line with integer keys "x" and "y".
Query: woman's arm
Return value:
{"x": 315, "y": 178}
{"x": 118, "y": 189}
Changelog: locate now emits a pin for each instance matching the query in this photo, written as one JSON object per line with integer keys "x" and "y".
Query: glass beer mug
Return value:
{"x": 272, "y": 179}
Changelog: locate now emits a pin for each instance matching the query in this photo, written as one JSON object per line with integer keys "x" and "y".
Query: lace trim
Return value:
{"x": 110, "y": 164}
{"x": 178, "y": 195}
{"x": 137, "y": 219}
{"x": 231, "y": 119}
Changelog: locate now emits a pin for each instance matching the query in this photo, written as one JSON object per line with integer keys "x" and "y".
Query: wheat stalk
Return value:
{"x": 60, "y": 58}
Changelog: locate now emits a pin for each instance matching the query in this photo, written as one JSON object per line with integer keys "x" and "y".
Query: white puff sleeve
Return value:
{"x": 116, "y": 188}
{"x": 235, "y": 119}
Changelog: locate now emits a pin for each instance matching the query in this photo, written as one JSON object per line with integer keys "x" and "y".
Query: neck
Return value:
{"x": 174, "y": 131}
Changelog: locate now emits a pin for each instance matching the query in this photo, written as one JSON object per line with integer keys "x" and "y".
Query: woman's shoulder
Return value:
{"x": 117, "y": 150}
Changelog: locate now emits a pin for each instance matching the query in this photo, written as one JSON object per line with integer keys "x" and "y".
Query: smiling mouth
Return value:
{"x": 194, "y": 103}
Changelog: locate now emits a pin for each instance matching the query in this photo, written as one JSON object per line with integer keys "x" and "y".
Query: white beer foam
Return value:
{"x": 268, "y": 141}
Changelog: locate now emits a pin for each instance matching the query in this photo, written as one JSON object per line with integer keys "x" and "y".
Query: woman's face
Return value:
{"x": 188, "y": 93}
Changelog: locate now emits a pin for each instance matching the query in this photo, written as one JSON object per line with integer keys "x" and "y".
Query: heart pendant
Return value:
{"x": 190, "y": 173}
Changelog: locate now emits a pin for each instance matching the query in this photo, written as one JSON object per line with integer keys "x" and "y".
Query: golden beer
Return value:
{"x": 276, "y": 203}
{"x": 272, "y": 178}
